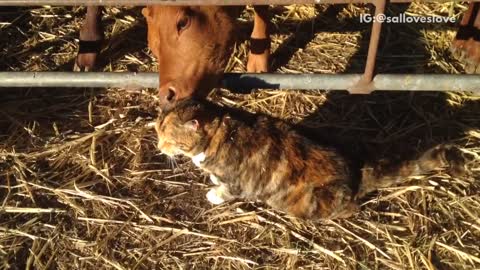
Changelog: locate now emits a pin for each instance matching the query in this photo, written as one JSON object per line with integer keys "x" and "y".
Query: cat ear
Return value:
{"x": 192, "y": 124}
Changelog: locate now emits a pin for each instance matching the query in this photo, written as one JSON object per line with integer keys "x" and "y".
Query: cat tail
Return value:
{"x": 447, "y": 157}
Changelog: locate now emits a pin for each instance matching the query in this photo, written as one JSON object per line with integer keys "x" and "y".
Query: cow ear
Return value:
{"x": 192, "y": 124}
{"x": 146, "y": 12}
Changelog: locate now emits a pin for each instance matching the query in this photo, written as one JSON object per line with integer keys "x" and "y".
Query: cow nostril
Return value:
{"x": 171, "y": 95}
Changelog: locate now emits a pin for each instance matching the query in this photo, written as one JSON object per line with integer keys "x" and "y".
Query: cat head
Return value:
{"x": 183, "y": 130}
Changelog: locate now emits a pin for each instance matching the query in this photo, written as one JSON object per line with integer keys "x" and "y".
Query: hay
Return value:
{"x": 83, "y": 187}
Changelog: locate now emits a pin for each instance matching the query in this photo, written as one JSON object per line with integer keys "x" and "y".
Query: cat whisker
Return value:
{"x": 173, "y": 162}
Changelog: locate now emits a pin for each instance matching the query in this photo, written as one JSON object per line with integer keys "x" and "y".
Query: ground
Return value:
{"x": 83, "y": 187}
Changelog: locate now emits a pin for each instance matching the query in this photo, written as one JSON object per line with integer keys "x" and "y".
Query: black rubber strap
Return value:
{"x": 89, "y": 46}
{"x": 259, "y": 45}
{"x": 465, "y": 32}
{"x": 476, "y": 35}
{"x": 476, "y": 8}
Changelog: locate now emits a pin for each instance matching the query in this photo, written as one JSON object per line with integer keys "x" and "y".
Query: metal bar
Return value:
{"x": 374, "y": 40}
{"x": 191, "y": 2}
{"x": 79, "y": 79}
{"x": 245, "y": 82}
{"x": 364, "y": 85}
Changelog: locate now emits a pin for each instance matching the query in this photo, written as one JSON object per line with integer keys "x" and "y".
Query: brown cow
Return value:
{"x": 192, "y": 45}
{"x": 466, "y": 45}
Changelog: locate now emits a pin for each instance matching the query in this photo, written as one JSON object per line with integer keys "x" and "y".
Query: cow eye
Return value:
{"x": 183, "y": 23}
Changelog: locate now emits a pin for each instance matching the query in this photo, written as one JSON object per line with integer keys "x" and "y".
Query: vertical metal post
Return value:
{"x": 365, "y": 86}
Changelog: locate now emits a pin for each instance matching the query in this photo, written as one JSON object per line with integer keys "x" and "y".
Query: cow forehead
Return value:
{"x": 164, "y": 13}
{"x": 201, "y": 37}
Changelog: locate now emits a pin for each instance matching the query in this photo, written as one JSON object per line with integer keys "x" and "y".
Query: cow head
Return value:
{"x": 192, "y": 46}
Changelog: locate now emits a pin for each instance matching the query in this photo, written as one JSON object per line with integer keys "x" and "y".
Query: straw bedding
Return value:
{"x": 83, "y": 187}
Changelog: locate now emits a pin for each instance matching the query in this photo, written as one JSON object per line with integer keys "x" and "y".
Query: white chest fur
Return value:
{"x": 214, "y": 180}
{"x": 197, "y": 159}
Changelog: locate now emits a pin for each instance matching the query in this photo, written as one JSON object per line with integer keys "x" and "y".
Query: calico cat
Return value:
{"x": 259, "y": 158}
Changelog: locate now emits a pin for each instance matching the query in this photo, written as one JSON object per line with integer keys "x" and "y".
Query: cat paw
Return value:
{"x": 214, "y": 197}
{"x": 454, "y": 159}
{"x": 459, "y": 160}
{"x": 197, "y": 159}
